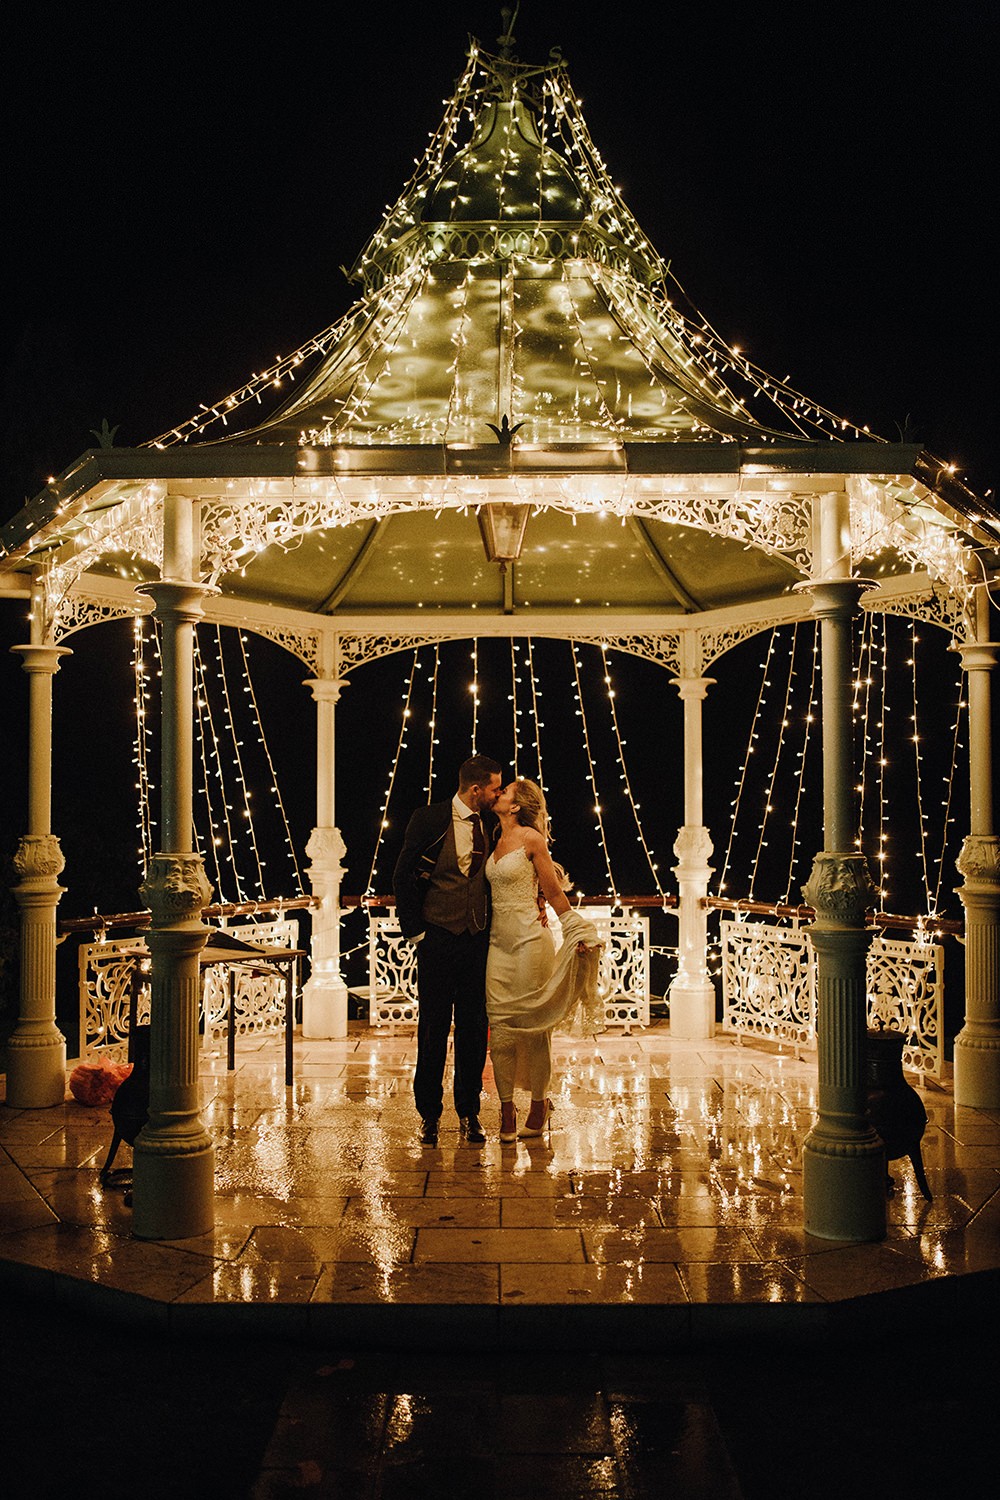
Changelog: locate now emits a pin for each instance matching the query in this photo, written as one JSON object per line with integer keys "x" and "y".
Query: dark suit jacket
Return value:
{"x": 422, "y": 844}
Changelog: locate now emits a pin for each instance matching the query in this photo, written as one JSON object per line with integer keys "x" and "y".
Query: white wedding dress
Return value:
{"x": 530, "y": 987}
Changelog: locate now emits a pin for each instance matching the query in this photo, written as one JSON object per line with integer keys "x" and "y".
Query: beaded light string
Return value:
{"x": 592, "y": 776}
{"x": 536, "y": 714}
{"x": 515, "y": 711}
{"x": 474, "y": 690}
{"x": 208, "y": 743}
{"x": 432, "y": 737}
{"x": 808, "y": 719}
{"x": 949, "y": 781}
{"x": 751, "y": 745}
{"x": 400, "y": 747}
{"x": 246, "y": 808}
{"x": 143, "y": 733}
{"x": 623, "y": 771}
{"x": 915, "y": 738}
{"x": 769, "y": 794}
{"x": 248, "y": 689}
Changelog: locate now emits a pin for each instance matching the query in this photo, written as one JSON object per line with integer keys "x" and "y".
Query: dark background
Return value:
{"x": 184, "y": 186}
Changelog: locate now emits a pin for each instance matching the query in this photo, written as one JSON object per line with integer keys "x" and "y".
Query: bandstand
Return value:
{"x": 521, "y": 430}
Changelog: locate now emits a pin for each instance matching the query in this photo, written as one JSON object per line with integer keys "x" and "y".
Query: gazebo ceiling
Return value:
{"x": 518, "y": 341}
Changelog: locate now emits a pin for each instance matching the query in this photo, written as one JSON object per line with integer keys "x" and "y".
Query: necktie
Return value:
{"x": 478, "y": 845}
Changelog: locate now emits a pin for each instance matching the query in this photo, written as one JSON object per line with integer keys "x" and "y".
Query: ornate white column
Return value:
{"x": 324, "y": 996}
{"x": 173, "y": 1155}
{"x": 977, "y": 1046}
{"x": 36, "y": 1051}
{"x": 843, "y": 1159}
{"x": 692, "y": 994}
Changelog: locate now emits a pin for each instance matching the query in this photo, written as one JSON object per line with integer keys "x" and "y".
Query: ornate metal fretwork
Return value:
{"x": 777, "y": 522}
{"x": 356, "y": 649}
{"x": 899, "y": 520}
{"x": 768, "y": 982}
{"x": 133, "y": 528}
{"x": 305, "y": 644}
{"x": 769, "y": 989}
{"x": 623, "y": 980}
{"x": 936, "y": 607}
{"x": 108, "y": 970}
{"x": 392, "y": 975}
{"x": 107, "y": 973}
{"x": 663, "y": 650}
{"x": 715, "y": 643}
{"x": 906, "y": 993}
{"x": 79, "y": 610}
{"x": 259, "y": 993}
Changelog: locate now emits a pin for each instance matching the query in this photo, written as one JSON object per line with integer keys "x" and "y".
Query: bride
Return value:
{"x": 529, "y": 988}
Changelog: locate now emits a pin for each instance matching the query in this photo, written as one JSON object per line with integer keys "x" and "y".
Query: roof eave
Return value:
{"x": 234, "y": 461}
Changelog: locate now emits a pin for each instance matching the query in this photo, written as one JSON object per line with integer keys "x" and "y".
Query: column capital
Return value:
{"x": 39, "y": 856}
{"x": 979, "y": 859}
{"x": 326, "y": 689}
{"x": 176, "y": 888}
{"x": 840, "y": 889}
{"x": 975, "y": 656}
{"x": 178, "y": 598}
{"x": 41, "y": 660}
{"x": 835, "y": 598}
{"x": 693, "y": 687}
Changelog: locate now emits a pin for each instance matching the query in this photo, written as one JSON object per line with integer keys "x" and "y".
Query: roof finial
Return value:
{"x": 507, "y": 42}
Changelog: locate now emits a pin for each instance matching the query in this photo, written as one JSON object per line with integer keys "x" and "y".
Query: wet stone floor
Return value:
{"x": 667, "y": 1194}
{"x": 95, "y": 1409}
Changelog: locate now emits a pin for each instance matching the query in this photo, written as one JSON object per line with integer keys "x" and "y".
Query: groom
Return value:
{"x": 442, "y": 902}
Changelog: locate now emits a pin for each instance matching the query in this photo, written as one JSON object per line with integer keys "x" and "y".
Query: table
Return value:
{"x": 234, "y": 954}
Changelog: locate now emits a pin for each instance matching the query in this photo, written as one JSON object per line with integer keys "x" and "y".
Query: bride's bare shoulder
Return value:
{"x": 532, "y": 842}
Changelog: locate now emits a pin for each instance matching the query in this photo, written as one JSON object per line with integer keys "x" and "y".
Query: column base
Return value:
{"x": 324, "y": 1007}
{"x": 173, "y": 1194}
{"x": 36, "y": 1069}
{"x": 843, "y": 1188}
{"x": 692, "y": 1011}
{"x": 977, "y": 1070}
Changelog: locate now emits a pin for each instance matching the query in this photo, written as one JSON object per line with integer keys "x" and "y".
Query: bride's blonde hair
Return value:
{"x": 532, "y": 812}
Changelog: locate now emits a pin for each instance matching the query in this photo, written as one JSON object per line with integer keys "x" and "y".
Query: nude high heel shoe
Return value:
{"x": 526, "y": 1133}
{"x": 507, "y": 1137}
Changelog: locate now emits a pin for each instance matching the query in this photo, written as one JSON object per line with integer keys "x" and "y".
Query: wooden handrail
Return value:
{"x": 103, "y": 923}
{"x": 808, "y": 913}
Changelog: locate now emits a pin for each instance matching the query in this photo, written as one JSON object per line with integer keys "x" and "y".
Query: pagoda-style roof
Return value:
{"x": 517, "y": 341}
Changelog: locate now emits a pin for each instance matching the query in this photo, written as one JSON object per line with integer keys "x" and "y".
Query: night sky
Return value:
{"x": 184, "y": 185}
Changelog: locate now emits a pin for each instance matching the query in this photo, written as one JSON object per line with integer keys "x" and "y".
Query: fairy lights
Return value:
{"x": 400, "y": 747}
{"x": 142, "y": 743}
{"x": 623, "y": 770}
{"x": 536, "y": 713}
{"x": 275, "y": 788}
{"x": 512, "y": 178}
{"x": 810, "y": 717}
{"x": 432, "y": 742}
{"x": 474, "y": 690}
{"x": 221, "y": 838}
{"x": 592, "y": 777}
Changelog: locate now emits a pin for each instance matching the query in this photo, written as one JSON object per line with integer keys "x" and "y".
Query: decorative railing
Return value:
{"x": 114, "y": 975}
{"x": 769, "y": 989}
{"x": 623, "y": 978}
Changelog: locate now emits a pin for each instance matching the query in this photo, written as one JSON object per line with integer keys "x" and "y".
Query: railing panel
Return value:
{"x": 769, "y": 989}
{"x": 623, "y": 979}
{"x": 106, "y": 975}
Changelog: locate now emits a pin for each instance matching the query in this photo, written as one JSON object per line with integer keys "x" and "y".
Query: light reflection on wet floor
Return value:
{"x": 671, "y": 1177}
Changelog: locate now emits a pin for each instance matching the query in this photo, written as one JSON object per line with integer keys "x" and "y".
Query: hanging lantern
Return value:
{"x": 502, "y": 526}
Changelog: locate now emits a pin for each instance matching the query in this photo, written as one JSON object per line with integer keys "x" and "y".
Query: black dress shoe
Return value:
{"x": 470, "y": 1130}
{"x": 428, "y": 1132}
